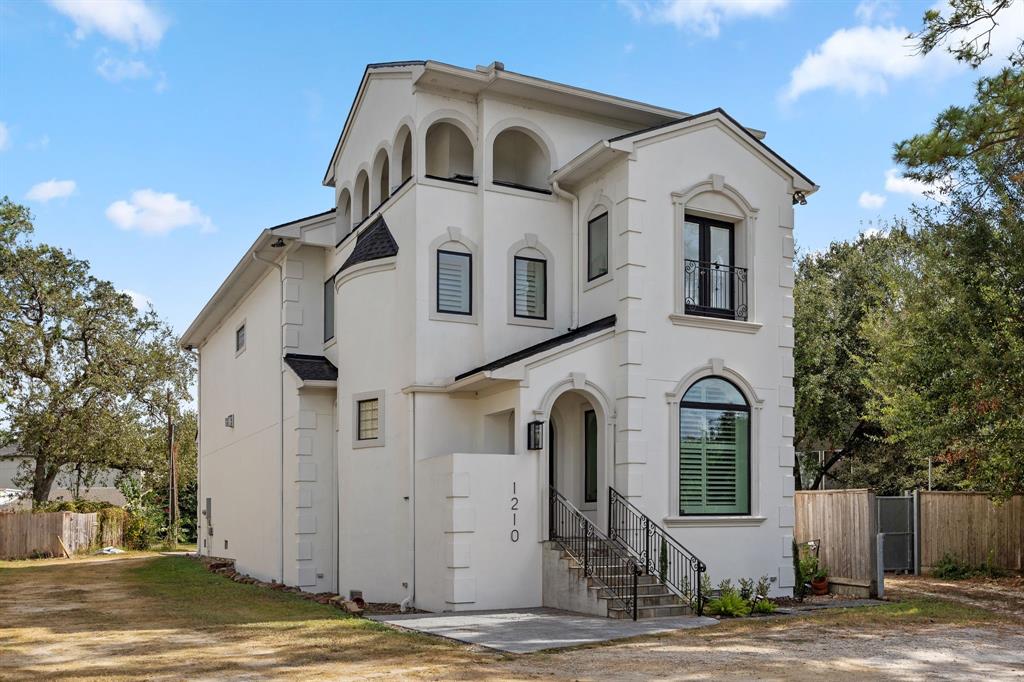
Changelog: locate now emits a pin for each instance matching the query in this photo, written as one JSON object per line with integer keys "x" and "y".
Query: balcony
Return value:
{"x": 715, "y": 290}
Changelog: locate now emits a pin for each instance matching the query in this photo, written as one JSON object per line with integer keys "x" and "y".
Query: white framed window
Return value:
{"x": 368, "y": 419}
{"x": 454, "y": 282}
{"x": 530, "y": 286}
{"x": 240, "y": 339}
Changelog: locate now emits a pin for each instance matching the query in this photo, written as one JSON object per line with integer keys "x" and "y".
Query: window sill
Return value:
{"x": 713, "y": 521}
{"x": 441, "y": 183}
{"x": 453, "y": 317}
{"x": 330, "y": 343}
{"x": 715, "y": 323}
{"x": 531, "y": 322}
{"x": 597, "y": 281}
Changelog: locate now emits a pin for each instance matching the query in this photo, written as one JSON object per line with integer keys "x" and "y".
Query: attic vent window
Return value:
{"x": 240, "y": 339}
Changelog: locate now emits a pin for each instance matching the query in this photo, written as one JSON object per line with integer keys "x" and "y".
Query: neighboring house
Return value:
{"x": 523, "y": 284}
{"x": 102, "y": 486}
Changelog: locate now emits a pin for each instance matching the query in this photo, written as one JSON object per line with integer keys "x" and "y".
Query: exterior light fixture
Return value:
{"x": 278, "y": 244}
{"x": 799, "y": 198}
{"x": 535, "y": 435}
{"x": 229, "y": 421}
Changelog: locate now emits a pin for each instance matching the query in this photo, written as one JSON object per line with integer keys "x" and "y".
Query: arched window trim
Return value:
{"x": 358, "y": 216}
{"x": 715, "y": 367}
{"x": 405, "y": 131}
{"x": 381, "y": 157}
{"x": 743, "y": 215}
{"x": 454, "y": 235}
{"x": 343, "y": 222}
{"x": 528, "y": 242}
{"x": 602, "y": 204}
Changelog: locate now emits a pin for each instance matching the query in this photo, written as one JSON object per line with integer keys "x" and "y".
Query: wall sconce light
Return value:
{"x": 799, "y": 198}
{"x": 535, "y": 435}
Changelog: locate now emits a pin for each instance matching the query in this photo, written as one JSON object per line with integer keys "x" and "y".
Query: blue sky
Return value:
{"x": 156, "y": 139}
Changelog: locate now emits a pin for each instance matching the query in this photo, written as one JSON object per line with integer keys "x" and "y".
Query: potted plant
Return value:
{"x": 819, "y": 581}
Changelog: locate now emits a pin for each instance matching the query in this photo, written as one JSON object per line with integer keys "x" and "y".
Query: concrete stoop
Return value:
{"x": 565, "y": 587}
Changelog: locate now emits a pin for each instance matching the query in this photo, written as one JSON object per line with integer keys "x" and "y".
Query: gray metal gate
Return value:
{"x": 897, "y": 521}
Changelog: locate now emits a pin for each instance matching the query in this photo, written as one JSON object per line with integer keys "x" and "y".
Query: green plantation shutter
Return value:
{"x": 714, "y": 461}
{"x": 453, "y": 282}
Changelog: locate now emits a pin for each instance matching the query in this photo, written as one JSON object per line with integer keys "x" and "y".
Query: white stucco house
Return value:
{"x": 538, "y": 353}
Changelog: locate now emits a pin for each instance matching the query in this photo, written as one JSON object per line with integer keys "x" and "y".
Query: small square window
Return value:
{"x": 240, "y": 338}
{"x": 369, "y": 419}
{"x": 597, "y": 247}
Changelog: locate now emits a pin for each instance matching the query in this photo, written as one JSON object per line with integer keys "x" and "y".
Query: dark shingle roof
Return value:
{"x": 312, "y": 367}
{"x": 373, "y": 243}
{"x": 571, "y": 335}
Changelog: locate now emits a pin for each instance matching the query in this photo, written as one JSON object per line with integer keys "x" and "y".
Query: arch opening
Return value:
{"x": 519, "y": 161}
{"x": 449, "y": 153}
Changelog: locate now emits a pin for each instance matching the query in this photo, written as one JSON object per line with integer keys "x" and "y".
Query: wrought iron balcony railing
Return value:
{"x": 715, "y": 290}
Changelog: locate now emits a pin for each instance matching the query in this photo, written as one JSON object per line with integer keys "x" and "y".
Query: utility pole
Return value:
{"x": 172, "y": 473}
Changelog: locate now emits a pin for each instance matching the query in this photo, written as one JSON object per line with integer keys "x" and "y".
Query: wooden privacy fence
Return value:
{"x": 972, "y": 528}
{"x": 844, "y": 522}
{"x": 24, "y": 534}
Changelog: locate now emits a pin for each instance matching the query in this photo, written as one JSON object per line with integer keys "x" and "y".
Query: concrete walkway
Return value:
{"x": 521, "y": 631}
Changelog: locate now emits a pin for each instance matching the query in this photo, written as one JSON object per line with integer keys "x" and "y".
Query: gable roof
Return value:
{"x": 571, "y": 335}
{"x": 603, "y": 151}
{"x": 311, "y": 367}
{"x": 373, "y": 243}
{"x": 495, "y": 78}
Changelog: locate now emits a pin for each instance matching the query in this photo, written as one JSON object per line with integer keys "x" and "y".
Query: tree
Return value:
{"x": 835, "y": 292}
{"x": 80, "y": 367}
{"x": 950, "y": 384}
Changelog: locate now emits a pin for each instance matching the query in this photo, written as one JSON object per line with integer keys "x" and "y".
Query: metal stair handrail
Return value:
{"x": 657, "y": 552}
{"x": 601, "y": 559}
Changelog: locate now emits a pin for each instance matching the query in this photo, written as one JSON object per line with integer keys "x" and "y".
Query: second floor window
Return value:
{"x": 597, "y": 247}
{"x": 530, "y": 288}
{"x": 328, "y": 310}
{"x": 454, "y": 282}
{"x": 240, "y": 338}
{"x": 712, "y": 283}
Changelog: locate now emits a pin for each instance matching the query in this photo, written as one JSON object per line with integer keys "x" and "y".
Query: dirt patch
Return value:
{"x": 113, "y": 619}
{"x": 1002, "y": 595}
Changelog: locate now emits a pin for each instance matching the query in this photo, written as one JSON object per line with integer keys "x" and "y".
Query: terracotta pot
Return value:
{"x": 819, "y": 587}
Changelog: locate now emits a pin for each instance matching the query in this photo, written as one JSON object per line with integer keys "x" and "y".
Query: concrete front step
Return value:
{"x": 659, "y": 611}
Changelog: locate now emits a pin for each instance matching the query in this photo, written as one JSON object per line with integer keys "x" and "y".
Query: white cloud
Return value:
{"x": 862, "y": 60}
{"x": 5, "y": 137}
{"x": 872, "y": 11}
{"x": 157, "y": 213}
{"x": 898, "y": 184}
{"x": 132, "y": 22}
{"x": 140, "y": 301}
{"x": 116, "y": 70}
{"x": 870, "y": 201}
{"x": 51, "y": 189}
{"x": 868, "y": 59}
{"x": 704, "y": 17}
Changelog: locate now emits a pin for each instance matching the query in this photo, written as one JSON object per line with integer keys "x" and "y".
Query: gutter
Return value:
{"x": 574, "y": 320}
{"x": 199, "y": 448}
{"x": 280, "y": 392}
{"x": 410, "y": 598}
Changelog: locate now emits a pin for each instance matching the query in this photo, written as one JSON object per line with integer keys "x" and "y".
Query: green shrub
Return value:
{"x": 951, "y": 567}
{"x": 79, "y": 506}
{"x": 763, "y": 606}
{"x": 730, "y": 604}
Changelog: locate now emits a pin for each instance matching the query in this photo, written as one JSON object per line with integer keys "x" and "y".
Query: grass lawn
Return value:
{"x": 149, "y": 616}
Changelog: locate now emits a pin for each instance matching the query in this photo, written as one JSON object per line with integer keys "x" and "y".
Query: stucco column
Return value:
{"x": 630, "y": 333}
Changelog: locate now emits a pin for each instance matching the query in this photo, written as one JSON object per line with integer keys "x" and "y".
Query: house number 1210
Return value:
{"x": 514, "y": 535}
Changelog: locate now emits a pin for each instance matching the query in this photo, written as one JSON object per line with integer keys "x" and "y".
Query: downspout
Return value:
{"x": 280, "y": 392}
{"x": 575, "y": 314}
{"x": 199, "y": 448}
{"x": 410, "y": 598}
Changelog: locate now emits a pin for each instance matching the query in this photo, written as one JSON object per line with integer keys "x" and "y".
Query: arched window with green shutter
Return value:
{"x": 714, "y": 449}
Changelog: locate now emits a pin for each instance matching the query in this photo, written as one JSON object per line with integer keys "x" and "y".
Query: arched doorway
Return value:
{"x": 578, "y": 450}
